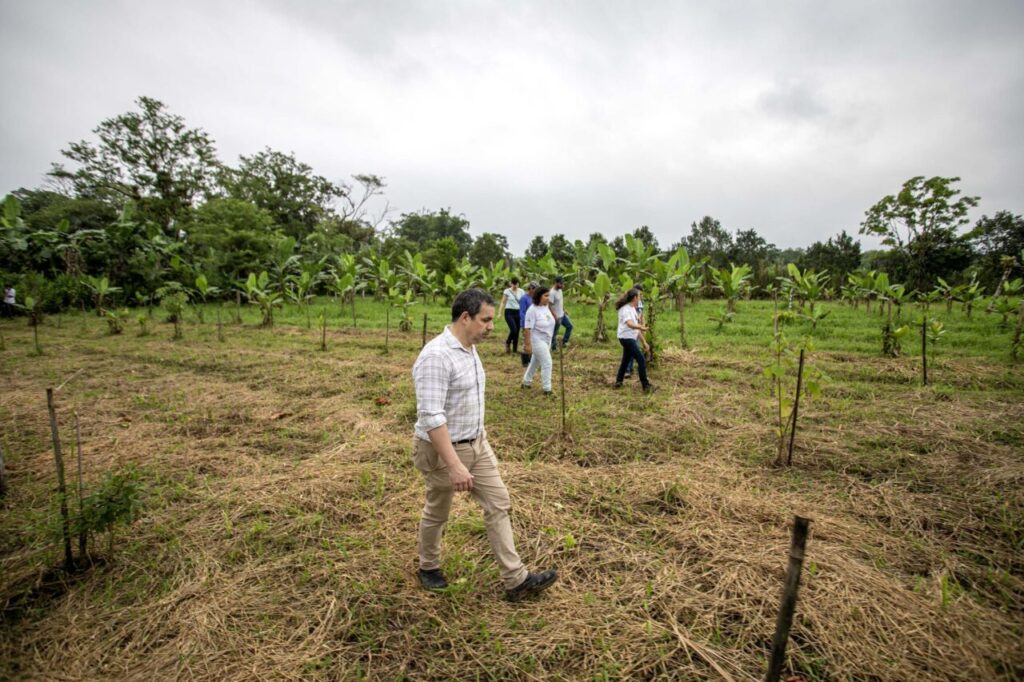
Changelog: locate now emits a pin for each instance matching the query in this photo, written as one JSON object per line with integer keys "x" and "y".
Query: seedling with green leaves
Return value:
{"x": 808, "y": 380}
{"x": 204, "y": 290}
{"x": 35, "y": 316}
{"x": 733, "y": 283}
{"x": 259, "y": 293}
{"x": 116, "y": 320}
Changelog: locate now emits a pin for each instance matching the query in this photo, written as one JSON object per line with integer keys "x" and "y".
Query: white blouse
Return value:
{"x": 628, "y": 313}
{"x": 541, "y": 324}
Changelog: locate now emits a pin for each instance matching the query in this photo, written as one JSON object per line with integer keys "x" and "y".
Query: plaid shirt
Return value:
{"x": 449, "y": 381}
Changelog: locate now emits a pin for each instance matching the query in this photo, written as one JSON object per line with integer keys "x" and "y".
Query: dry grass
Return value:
{"x": 279, "y": 536}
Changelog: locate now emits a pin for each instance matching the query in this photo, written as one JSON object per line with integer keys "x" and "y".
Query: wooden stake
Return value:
{"x": 561, "y": 378}
{"x": 424, "y": 331}
{"x": 924, "y": 349}
{"x": 796, "y": 406}
{"x": 220, "y": 326}
{"x": 788, "y": 605}
{"x": 387, "y": 326}
{"x": 69, "y": 561}
{"x": 323, "y": 330}
{"x": 83, "y": 535}
{"x": 3, "y": 474}
{"x": 1016, "y": 334}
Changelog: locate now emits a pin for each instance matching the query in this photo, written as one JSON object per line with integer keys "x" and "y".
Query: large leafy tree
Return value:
{"x": 919, "y": 223}
{"x": 708, "y": 240}
{"x": 149, "y": 157}
{"x": 488, "y": 248}
{"x": 995, "y": 239}
{"x": 231, "y": 238}
{"x": 537, "y": 248}
{"x": 426, "y": 229}
{"x": 840, "y": 256}
{"x": 297, "y": 198}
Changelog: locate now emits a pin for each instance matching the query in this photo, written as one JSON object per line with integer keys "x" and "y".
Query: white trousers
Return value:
{"x": 541, "y": 359}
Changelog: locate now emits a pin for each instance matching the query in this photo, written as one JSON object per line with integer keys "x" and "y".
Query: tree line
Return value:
{"x": 148, "y": 207}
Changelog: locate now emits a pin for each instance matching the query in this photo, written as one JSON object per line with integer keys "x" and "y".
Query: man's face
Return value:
{"x": 481, "y": 325}
{"x": 558, "y": 285}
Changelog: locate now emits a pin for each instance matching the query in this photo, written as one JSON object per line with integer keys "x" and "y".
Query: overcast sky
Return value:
{"x": 791, "y": 118}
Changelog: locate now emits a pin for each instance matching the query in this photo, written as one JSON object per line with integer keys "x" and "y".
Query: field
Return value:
{"x": 278, "y": 535}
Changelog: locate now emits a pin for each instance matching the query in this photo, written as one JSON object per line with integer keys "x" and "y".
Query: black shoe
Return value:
{"x": 618, "y": 384}
{"x": 548, "y": 393}
{"x": 433, "y": 579}
{"x": 628, "y": 375}
{"x": 650, "y": 388}
{"x": 525, "y": 386}
{"x": 535, "y": 583}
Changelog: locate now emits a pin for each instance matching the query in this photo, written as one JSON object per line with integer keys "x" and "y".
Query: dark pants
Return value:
{"x": 631, "y": 349}
{"x": 565, "y": 322}
{"x": 512, "y": 320}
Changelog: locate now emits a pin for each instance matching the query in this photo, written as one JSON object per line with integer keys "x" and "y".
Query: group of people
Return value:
{"x": 539, "y": 312}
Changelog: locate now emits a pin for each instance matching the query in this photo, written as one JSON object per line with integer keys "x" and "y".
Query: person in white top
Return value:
{"x": 451, "y": 449}
{"x": 10, "y": 299}
{"x": 510, "y": 306}
{"x": 538, "y": 331}
{"x": 629, "y": 333}
{"x": 560, "y": 313}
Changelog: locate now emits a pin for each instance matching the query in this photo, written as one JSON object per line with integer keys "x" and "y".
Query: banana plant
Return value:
{"x": 300, "y": 288}
{"x": 808, "y": 287}
{"x": 417, "y": 275}
{"x": 259, "y": 293}
{"x": 204, "y": 291}
{"x": 808, "y": 380}
{"x": 492, "y": 279}
{"x": 35, "y": 315}
{"x": 891, "y": 335}
{"x": 348, "y": 280}
{"x": 948, "y": 293}
{"x": 174, "y": 301}
{"x": 682, "y": 279}
{"x": 972, "y": 293}
{"x": 404, "y": 301}
{"x": 600, "y": 291}
{"x": 1005, "y": 305}
{"x": 732, "y": 283}
{"x": 101, "y": 289}
{"x": 116, "y": 320}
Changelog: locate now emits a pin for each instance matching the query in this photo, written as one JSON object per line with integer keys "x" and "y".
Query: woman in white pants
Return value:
{"x": 538, "y": 330}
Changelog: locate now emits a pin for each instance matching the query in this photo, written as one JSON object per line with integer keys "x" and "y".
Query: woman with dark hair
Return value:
{"x": 510, "y": 304}
{"x": 629, "y": 332}
{"x": 537, "y": 334}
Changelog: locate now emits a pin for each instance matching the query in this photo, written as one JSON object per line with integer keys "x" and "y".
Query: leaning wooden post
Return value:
{"x": 785, "y": 618}
{"x": 3, "y": 473}
{"x": 924, "y": 350}
{"x": 83, "y": 536}
{"x": 561, "y": 379}
{"x": 796, "y": 406}
{"x": 69, "y": 562}
{"x": 424, "y": 331}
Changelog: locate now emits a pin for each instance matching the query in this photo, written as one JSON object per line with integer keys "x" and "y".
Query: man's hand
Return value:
{"x": 461, "y": 478}
{"x": 528, "y": 349}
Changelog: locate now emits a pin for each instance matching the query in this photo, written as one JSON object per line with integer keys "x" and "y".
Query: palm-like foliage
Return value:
{"x": 732, "y": 283}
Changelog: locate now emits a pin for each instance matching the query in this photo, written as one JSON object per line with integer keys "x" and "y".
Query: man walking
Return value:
{"x": 451, "y": 448}
{"x": 560, "y": 313}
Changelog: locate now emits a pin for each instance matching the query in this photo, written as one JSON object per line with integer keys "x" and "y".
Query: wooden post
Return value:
{"x": 3, "y": 473}
{"x": 796, "y": 406}
{"x": 220, "y": 326}
{"x": 69, "y": 562}
{"x": 323, "y": 329}
{"x": 83, "y": 535}
{"x": 924, "y": 349}
{"x": 788, "y": 605}
{"x": 561, "y": 379}
{"x": 238, "y": 307}
{"x": 387, "y": 325}
{"x": 424, "y": 331}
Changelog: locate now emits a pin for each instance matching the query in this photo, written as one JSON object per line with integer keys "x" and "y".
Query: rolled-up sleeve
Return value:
{"x": 431, "y": 377}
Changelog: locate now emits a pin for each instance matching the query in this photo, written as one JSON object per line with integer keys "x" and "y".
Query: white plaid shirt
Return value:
{"x": 449, "y": 381}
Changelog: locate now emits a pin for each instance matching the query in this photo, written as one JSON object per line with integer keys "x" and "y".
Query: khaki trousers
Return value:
{"x": 488, "y": 489}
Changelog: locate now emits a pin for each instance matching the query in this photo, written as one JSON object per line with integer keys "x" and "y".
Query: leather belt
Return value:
{"x": 463, "y": 442}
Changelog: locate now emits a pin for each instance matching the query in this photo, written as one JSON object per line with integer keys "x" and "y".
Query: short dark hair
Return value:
{"x": 559, "y": 280}
{"x": 515, "y": 280}
{"x": 469, "y": 301}
{"x": 638, "y": 287}
{"x": 538, "y": 294}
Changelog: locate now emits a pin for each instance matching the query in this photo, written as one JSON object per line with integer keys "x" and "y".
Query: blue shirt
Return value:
{"x": 524, "y": 304}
